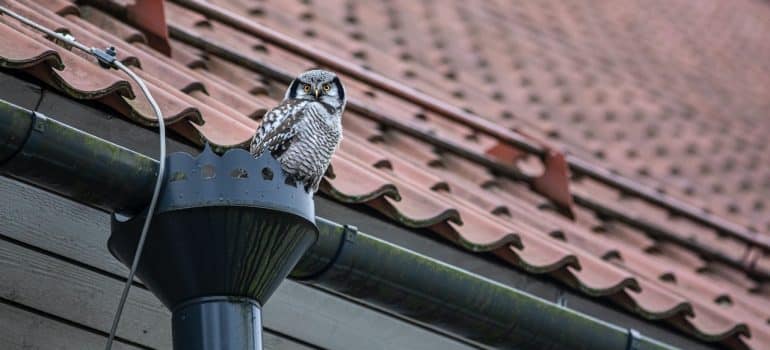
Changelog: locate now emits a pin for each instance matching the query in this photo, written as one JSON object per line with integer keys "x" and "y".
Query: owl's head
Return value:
{"x": 318, "y": 85}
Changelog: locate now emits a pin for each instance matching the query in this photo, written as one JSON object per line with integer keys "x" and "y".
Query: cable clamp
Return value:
{"x": 105, "y": 57}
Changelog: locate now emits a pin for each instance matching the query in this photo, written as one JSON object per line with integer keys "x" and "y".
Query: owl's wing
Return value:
{"x": 278, "y": 130}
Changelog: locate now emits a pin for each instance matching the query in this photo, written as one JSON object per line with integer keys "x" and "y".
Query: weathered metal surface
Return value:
{"x": 17, "y": 124}
{"x": 228, "y": 225}
{"x": 374, "y": 271}
{"x": 233, "y": 179}
{"x": 218, "y": 250}
{"x": 77, "y": 165}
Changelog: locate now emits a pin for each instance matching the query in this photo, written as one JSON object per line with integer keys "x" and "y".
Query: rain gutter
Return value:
{"x": 52, "y": 155}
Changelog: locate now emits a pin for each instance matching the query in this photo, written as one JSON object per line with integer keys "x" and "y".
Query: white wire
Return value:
{"x": 161, "y": 168}
{"x": 153, "y": 201}
{"x": 25, "y": 20}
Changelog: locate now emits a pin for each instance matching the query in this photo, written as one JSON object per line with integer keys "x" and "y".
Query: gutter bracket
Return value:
{"x": 350, "y": 232}
{"x": 348, "y": 236}
{"x": 633, "y": 339}
{"x": 561, "y": 298}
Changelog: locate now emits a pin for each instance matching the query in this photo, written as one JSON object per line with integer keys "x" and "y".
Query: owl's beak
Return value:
{"x": 317, "y": 91}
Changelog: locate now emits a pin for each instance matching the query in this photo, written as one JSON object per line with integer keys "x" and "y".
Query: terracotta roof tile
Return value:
{"x": 61, "y": 7}
{"x": 624, "y": 85}
{"x": 108, "y": 24}
{"x": 416, "y": 208}
{"x": 24, "y": 52}
{"x": 356, "y": 184}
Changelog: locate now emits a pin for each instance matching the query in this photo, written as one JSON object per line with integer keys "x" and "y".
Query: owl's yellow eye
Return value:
{"x": 306, "y": 88}
{"x": 327, "y": 87}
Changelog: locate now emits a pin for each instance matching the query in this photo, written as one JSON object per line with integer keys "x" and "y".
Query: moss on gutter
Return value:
{"x": 374, "y": 271}
{"x": 17, "y": 124}
{"x": 44, "y": 152}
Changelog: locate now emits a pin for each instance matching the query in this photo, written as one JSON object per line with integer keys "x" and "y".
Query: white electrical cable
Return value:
{"x": 153, "y": 201}
{"x": 25, "y": 20}
{"x": 108, "y": 58}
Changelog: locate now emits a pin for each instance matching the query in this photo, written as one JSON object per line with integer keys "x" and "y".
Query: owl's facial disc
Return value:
{"x": 318, "y": 85}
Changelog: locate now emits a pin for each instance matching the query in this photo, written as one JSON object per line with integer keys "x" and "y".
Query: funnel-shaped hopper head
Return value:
{"x": 225, "y": 226}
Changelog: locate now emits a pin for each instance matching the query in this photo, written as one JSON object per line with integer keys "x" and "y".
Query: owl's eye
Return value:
{"x": 327, "y": 87}
{"x": 306, "y": 87}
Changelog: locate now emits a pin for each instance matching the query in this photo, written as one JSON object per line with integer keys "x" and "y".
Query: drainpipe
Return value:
{"x": 341, "y": 259}
{"x": 226, "y": 232}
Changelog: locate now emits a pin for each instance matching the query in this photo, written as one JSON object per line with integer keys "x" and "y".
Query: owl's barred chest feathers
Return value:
{"x": 318, "y": 136}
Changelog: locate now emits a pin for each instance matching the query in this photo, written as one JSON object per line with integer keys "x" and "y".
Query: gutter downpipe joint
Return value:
{"x": 226, "y": 233}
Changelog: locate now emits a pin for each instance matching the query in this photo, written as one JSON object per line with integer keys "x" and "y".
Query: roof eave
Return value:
{"x": 72, "y": 163}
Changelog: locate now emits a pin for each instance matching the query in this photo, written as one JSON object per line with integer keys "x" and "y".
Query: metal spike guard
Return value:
{"x": 225, "y": 227}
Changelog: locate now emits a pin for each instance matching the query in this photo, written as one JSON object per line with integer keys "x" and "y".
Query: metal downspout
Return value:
{"x": 80, "y": 166}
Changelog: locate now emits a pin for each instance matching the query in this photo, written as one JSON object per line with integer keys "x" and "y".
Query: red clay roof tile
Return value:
{"x": 354, "y": 183}
{"x": 23, "y": 52}
{"x": 110, "y": 25}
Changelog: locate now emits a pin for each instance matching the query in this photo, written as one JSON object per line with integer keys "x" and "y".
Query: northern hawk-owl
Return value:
{"x": 304, "y": 130}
